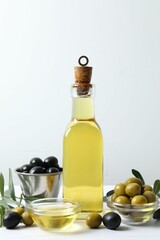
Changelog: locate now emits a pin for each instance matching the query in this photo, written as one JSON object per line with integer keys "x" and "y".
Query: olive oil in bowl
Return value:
{"x": 54, "y": 215}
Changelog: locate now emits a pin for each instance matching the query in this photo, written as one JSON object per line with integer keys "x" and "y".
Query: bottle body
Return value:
{"x": 83, "y": 157}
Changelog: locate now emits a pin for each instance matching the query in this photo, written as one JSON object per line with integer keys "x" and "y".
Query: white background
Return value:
{"x": 40, "y": 42}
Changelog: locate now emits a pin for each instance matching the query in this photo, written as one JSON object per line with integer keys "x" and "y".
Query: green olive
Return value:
{"x": 139, "y": 199}
{"x": 133, "y": 189}
{"x": 122, "y": 200}
{"x": 133, "y": 180}
{"x": 146, "y": 188}
{"x": 27, "y": 219}
{"x": 94, "y": 220}
{"x": 113, "y": 197}
{"x": 119, "y": 189}
{"x": 150, "y": 196}
{"x": 19, "y": 210}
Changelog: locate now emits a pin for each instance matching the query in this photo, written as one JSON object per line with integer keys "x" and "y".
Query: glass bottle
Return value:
{"x": 83, "y": 146}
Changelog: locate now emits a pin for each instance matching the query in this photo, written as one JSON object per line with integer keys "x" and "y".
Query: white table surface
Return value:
{"x": 79, "y": 231}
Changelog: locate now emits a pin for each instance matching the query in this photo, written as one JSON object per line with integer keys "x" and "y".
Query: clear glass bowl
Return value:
{"x": 133, "y": 214}
{"x": 54, "y": 214}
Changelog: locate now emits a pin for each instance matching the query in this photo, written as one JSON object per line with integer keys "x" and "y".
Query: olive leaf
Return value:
{"x": 1, "y": 217}
{"x": 4, "y": 204}
{"x": 11, "y": 203}
{"x": 2, "y": 212}
{"x": 11, "y": 186}
{"x": 138, "y": 175}
{"x": 104, "y": 198}
{"x": 156, "y": 186}
{"x": 7, "y": 194}
{"x": 1, "y": 184}
{"x": 110, "y": 193}
{"x": 107, "y": 195}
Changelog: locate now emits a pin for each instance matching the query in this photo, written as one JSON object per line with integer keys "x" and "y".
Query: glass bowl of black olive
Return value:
{"x": 40, "y": 178}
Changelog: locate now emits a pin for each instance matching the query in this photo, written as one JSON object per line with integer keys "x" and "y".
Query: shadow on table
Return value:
{"x": 123, "y": 228}
{"x": 152, "y": 223}
{"x": 81, "y": 227}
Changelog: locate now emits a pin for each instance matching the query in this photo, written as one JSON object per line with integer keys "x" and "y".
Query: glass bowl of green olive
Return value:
{"x": 133, "y": 201}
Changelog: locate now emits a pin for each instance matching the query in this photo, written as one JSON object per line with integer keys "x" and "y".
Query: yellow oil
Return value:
{"x": 82, "y": 158}
{"x": 49, "y": 220}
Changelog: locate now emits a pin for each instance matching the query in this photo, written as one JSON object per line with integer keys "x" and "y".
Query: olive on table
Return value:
{"x": 11, "y": 220}
{"x": 139, "y": 199}
{"x": 111, "y": 220}
{"x": 19, "y": 210}
{"x": 119, "y": 189}
{"x": 156, "y": 214}
{"x": 151, "y": 197}
{"x": 94, "y": 220}
{"x": 133, "y": 189}
{"x": 27, "y": 219}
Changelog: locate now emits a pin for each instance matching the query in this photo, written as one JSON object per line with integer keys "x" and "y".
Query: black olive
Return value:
{"x": 36, "y": 162}
{"x": 26, "y": 168}
{"x": 156, "y": 214}
{"x": 11, "y": 220}
{"x": 50, "y": 162}
{"x": 44, "y": 170}
{"x": 111, "y": 220}
{"x": 19, "y": 169}
{"x": 52, "y": 170}
{"x": 36, "y": 169}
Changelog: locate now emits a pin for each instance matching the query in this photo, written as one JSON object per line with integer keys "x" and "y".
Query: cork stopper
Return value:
{"x": 83, "y": 75}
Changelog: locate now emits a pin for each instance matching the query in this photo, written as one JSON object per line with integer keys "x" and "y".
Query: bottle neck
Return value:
{"x": 82, "y": 108}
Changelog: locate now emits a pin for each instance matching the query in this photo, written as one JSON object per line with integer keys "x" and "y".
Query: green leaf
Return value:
{"x": 2, "y": 212}
{"x": 6, "y": 194}
{"x": 11, "y": 186}
{"x": 107, "y": 195}
{"x": 12, "y": 203}
{"x": 156, "y": 186}
{"x": 110, "y": 193}
{"x": 3, "y": 203}
{"x": 1, "y": 218}
{"x": 138, "y": 175}
{"x": 1, "y": 184}
{"x": 104, "y": 198}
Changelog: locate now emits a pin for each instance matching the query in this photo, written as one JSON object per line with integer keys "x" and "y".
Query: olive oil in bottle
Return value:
{"x": 83, "y": 146}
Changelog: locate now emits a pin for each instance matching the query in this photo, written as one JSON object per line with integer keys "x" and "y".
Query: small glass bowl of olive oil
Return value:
{"x": 54, "y": 214}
